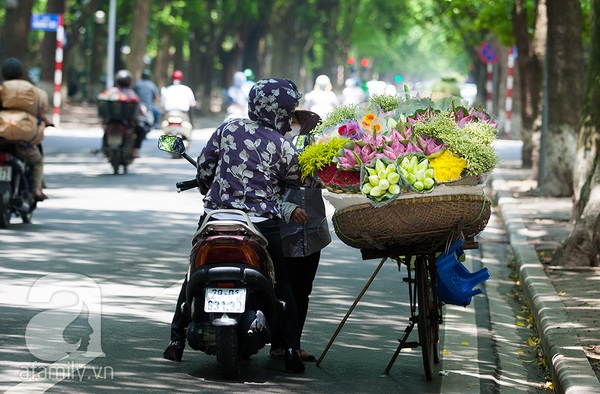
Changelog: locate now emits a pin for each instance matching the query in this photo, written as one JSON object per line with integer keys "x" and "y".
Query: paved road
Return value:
{"x": 118, "y": 245}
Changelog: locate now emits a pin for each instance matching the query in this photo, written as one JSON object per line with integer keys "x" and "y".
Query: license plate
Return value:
{"x": 114, "y": 139}
{"x": 225, "y": 300}
{"x": 5, "y": 173}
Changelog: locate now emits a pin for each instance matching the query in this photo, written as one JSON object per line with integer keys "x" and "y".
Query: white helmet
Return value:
{"x": 322, "y": 81}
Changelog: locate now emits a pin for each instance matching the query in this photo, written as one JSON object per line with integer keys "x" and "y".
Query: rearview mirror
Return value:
{"x": 172, "y": 144}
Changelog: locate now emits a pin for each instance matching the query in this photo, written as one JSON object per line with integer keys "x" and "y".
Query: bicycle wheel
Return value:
{"x": 427, "y": 320}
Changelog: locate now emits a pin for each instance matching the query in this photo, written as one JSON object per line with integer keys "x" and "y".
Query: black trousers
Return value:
{"x": 290, "y": 330}
{"x": 302, "y": 271}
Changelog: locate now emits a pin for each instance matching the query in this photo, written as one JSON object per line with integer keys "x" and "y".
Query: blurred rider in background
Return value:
{"x": 237, "y": 97}
{"x": 321, "y": 99}
{"x": 148, "y": 93}
{"x": 353, "y": 93}
{"x": 12, "y": 68}
{"x": 125, "y": 92}
{"x": 178, "y": 97}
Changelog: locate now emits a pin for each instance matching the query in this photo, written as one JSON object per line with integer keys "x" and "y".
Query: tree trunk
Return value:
{"x": 565, "y": 89}
{"x": 162, "y": 58}
{"x": 138, "y": 38}
{"x": 15, "y": 32}
{"x": 582, "y": 247}
{"x": 97, "y": 66}
{"x": 285, "y": 50}
{"x": 530, "y": 53}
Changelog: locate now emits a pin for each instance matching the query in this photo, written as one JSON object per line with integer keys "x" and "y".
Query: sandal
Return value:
{"x": 305, "y": 356}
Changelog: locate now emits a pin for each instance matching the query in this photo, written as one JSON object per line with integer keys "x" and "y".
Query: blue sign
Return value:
{"x": 47, "y": 22}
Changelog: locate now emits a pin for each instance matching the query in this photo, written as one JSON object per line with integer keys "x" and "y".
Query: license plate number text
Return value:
{"x": 222, "y": 300}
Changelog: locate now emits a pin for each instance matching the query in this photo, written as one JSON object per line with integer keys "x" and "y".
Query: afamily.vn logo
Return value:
{"x": 70, "y": 321}
{"x": 67, "y": 370}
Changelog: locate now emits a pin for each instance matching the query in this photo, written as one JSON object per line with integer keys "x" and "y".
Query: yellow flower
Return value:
{"x": 447, "y": 167}
{"x": 368, "y": 118}
{"x": 375, "y": 127}
{"x": 366, "y": 121}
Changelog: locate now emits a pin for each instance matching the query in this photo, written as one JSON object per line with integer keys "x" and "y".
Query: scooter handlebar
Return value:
{"x": 186, "y": 185}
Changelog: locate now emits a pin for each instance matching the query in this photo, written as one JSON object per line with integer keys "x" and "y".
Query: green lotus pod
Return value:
{"x": 429, "y": 172}
{"x": 373, "y": 180}
{"x": 390, "y": 168}
{"x": 394, "y": 189}
{"x": 382, "y": 174}
{"x": 393, "y": 178}
{"x": 376, "y": 192}
{"x": 428, "y": 183}
{"x": 418, "y": 185}
{"x": 414, "y": 161}
{"x": 384, "y": 184}
{"x": 423, "y": 165}
{"x": 371, "y": 171}
{"x": 405, "y": 163}
{"x": 411, "y": 178}
{"x": 366, "y": 189}
{"x": 403, "y": 171}
{"x": 379, "y": 165}
{"x": 420, "y": 175}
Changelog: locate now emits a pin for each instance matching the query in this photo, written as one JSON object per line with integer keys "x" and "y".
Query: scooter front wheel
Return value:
{"x": 228, "y": 357}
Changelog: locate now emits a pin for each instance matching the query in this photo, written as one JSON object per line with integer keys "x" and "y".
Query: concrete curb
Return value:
{"x": 570, "y": 368}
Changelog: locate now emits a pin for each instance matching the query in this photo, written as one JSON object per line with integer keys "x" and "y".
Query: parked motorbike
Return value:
{"x": 230, "y": 296}
{"x": 120, "y": 120}
{"x": 16, "y": 187}
{"x": 177, "y": 123}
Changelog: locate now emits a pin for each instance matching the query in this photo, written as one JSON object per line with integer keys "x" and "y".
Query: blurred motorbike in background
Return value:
{"x": 120, "y": 119}
{"x": 16, "y": 187}
{"x": 177, "y": 124}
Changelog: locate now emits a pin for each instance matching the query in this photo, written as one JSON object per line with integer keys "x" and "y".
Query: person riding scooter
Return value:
{"x": 12, "y": 70}
{"x": 178, "y": 97}
{"x": 123, "y": 89}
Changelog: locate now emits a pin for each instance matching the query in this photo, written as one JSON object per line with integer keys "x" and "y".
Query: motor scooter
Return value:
{"x": 230, "y": 296}
{"x": 119, "y": 119}
{"x": 16, "y": 187}
{"x": 177, "y": 123}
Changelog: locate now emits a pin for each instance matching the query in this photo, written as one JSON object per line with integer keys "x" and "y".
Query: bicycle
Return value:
{"x": 418, "y": 252}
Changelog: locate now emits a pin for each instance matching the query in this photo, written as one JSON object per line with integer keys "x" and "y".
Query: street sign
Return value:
{"x": 486, "y": 53}
{"x": 47, "y": 22}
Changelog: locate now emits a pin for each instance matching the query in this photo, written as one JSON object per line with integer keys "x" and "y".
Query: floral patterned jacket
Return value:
{"x": 247, "y": 163}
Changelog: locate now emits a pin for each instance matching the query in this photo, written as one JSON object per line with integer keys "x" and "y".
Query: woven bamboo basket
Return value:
{"x": 424, "y": 221}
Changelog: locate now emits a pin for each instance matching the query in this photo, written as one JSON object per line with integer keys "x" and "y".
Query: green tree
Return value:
{"x": 582, "y": 247}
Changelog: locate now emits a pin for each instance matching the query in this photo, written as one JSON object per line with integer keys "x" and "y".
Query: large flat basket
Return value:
{"x": 423, "y": 221}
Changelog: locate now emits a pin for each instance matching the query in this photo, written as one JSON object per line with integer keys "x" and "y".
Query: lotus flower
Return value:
{"x": 430, "y": 146}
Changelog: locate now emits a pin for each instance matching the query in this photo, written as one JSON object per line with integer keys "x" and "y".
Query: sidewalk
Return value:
{"x": 563, "y": 301}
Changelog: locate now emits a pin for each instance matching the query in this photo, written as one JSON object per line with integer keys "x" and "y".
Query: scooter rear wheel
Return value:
{"x": 5, "y": 211}
{"x": 115, "y": 160}
{"x": 228, "y": 357}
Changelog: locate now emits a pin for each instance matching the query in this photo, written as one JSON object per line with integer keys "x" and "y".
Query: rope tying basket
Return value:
{"x": 422, "y": 220}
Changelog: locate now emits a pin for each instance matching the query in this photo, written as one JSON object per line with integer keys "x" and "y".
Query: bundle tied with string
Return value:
{"x": 424, "y": 221}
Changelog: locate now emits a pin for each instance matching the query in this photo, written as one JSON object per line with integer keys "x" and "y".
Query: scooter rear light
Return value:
{"x": 222, "y": 254}
{"x": 227, "y": 285}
